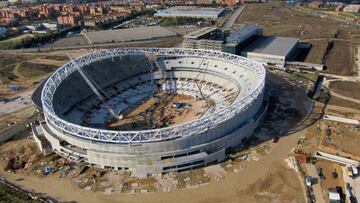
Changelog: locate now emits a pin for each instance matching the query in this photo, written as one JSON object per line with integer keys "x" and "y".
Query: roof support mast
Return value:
{"x": 92, "y": 85}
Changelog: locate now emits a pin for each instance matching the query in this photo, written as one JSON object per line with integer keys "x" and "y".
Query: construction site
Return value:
{"x": 156, "y": 133}
{"x": 333, "y": 44}
{"x": 290, "y": 125}
{"x": 22, "y": 158}
{"x": 161, "y": 110}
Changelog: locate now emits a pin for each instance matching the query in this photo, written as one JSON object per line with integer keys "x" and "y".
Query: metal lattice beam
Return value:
{"x": 126, "y": 137}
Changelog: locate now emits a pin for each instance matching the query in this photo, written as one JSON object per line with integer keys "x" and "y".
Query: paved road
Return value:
{"x": 311, "y": 170}
{"x": 354, "y": 183}
{"x": 231, "y": 20}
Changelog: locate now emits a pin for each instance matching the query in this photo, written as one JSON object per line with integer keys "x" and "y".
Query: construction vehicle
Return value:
{"x": 354, "y": 170}
{"x": 349, "y": 171}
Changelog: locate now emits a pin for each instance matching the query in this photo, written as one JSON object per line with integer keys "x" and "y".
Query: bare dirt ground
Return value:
{"x": 69, "y": 41}
{"x": 328, "y": 168}
{"x": 340, "y": 58}
{"x": 26, "y": 69}
{"x": 254, "y": 178}
{"x": 159, "y": 111}
{"x": 344, "y": 103}
{"x": 277, "y": 186}
{"x": 259, "y": 176}
{"x": 346, "y": 88}
{"x": 333, "y": 43}
{"x": 343, "y": 111}
{"x": 341, "y": 138}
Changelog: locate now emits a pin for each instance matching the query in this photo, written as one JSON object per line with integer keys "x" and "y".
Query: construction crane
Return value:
{"x": 202, "y": 95}
{"x": 92, "y": 84}
{"x": 196, "y": 77}
{"x": 150, "y": 58}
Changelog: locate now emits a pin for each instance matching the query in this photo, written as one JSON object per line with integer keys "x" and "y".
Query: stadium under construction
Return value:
{"x": 152, "y": 110}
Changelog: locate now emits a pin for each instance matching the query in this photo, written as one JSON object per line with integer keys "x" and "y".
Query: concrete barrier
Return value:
{"x": 338, "y": 159}
{"x": 340, "y": 119}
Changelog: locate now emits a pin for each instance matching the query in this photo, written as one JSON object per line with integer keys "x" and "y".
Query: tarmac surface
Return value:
{"x": 354, "y": 183}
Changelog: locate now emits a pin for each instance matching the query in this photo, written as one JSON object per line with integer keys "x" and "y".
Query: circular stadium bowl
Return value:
{"x": 127, "y": 77}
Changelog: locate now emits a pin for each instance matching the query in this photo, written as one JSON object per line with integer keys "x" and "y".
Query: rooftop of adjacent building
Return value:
{"x": 279, "y": 46}
{"x": 198, "y": 33}
{"x": 193, "y": 9}
{"x": 243, "y": 33}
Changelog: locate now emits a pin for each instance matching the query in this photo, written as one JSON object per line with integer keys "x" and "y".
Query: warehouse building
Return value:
{"x": 240, "y": 38}
{"x": 271, "y": 50}
{"x": 210, "y": 38}
{"x": 191, "y": 12}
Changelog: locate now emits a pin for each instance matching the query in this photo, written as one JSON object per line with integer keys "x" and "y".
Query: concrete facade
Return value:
{"x": 145, "y": 155}
{"x": 271, "y": 50}
{"x": 210, "y": 38}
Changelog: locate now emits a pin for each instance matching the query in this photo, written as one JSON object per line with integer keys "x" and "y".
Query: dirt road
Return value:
{"x": 226, "y": 190}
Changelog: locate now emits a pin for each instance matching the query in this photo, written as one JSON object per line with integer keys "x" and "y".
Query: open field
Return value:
{"x": 7, "y": 64}
{"x": 276, "y": 19}
{"x": 344, "y": 103}
{"x": 33, "y": 70}
{"x": 17, "y": 38}
{"x": 8, "y": 59}
{"x": 26, "y": 69}
{"x": 317, "y": 52}
{"x": 338, "y": 58}
{"x": 346, "y": 88}
{"x": 6, "y": 74}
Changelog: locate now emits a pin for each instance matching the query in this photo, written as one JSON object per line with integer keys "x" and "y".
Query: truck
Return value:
{"x": 308, "y": 181}
{"x": 354, "y": 170}
{"x": 349, "y": 171}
